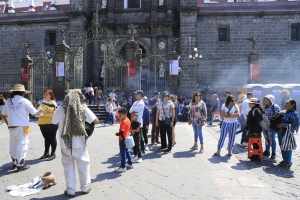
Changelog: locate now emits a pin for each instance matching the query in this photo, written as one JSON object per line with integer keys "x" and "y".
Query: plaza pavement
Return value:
{"x": 183, "y": 174}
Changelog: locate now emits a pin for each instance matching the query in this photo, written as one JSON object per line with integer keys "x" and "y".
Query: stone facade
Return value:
{"x": 195, "y": 24}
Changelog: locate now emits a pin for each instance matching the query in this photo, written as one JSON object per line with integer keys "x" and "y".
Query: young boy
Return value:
{"x": 135, "y": 131}
{"x": 124, "y": 132}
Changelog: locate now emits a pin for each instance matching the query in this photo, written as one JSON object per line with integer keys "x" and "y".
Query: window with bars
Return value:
{"x": 295, "y": 32}
{"x": 224, "y": 33}
{"x": 50, "y": 38}
{"x": 132, "y": 3}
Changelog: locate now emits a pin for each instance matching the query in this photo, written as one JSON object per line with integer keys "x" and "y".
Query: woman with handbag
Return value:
{"x": 229, "y": 113}
{"x": 164, "y": 119}
{"x": 47, "y": 128}
{"x": 289, "y": 124}
{"x": 197, "y": 117}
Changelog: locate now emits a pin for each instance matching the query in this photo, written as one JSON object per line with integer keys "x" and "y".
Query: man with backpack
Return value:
{"x": 271, "y": 109}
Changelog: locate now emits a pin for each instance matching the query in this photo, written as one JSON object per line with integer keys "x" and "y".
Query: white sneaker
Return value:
{"x": 139, "y": 160}
{"x": 120, "y": 170}
{"x": 244, "y": 144}
{"x": 129, "y": 166}
{"x": 146, "y": 148}
{"x": 179, "y": 114}
{"x": 134, "y": 159}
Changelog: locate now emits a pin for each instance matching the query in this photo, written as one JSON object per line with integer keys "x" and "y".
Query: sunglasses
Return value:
{"x": 198, "y": 95}
{"x": 166, "y": 95}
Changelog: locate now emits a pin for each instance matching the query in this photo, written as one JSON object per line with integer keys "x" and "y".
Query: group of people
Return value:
{"x": 94, "y": 95}
{"x": 249, "y": 112}
{"x": 72, "y": 118}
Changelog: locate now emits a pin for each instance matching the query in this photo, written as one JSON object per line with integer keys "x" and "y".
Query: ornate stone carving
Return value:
{"x": 26, "y": 47}
{"x": 161, "y": 71}
{"x": 253, "y": 41}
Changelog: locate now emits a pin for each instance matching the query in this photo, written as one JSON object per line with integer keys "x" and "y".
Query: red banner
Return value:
{"x": 254, "y": 71}
{"x": 25, "y": 74}
{"x": 131, "y": 69}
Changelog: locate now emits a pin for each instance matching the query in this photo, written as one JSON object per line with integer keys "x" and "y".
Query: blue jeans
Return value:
{"x": 124, "y": 152}
{"x": 180, "y": 107}
{"x": 242, "y": 125}
{"x": 198, "y": 133}
{"x": 109, "y": 117}
{"x": 286, "y": 155}
{"x": 270, "y": 140}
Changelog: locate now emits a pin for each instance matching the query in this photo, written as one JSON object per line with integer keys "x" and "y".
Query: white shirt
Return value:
{"x": 17, "y": 110}
{"x": 59, "y": 118}
{"x": 112, "y": 95}
{"x": 245, "y": 108}
{"x": 138, "y": 106}
{"x": 232, "y": 110}
{"x": 109, "y": 107}
{"x": 90, "y": 89}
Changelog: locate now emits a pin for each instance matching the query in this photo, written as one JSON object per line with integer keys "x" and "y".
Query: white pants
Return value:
{"x": 18, "y": 144}
{"x": 82, "y": 160}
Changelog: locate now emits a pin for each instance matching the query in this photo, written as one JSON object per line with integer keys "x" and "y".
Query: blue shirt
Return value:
{"x": 146, "y": 116}
{"x": 292, "y": 118}
{"x": 152, "y": 102}
{"x": 271, "y": 111}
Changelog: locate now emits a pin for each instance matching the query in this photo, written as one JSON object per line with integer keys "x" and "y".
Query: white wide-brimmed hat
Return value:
{"x": 19, "y": 88}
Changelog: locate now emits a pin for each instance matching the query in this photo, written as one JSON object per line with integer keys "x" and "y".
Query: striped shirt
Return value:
{"x": 292, "y": 118}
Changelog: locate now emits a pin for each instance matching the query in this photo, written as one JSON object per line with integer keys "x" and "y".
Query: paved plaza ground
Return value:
{"x": 183, "y": 174}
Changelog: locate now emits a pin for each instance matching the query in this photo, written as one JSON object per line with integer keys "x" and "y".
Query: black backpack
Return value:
{"x": 276, "y": 119}
{"x": 89, "y": 128}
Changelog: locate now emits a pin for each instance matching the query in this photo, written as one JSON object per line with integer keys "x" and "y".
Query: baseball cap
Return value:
{"x": 156, "y": 93}
{"x": 139, "y": 92}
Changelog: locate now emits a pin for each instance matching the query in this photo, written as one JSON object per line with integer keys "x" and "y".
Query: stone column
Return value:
{"x": 132, "y": 83}
{"x": 173, "y": 78}
{"x": 96, "y": 64}
{"x": 61, "y": 84}
{"x": 253, "y": 67}
{"x": 26, "y": 63}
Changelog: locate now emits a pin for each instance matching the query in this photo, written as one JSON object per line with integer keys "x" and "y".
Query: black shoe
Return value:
{"x": 157, "y": 142}
{"x": 273, "y": 156}
{"x": 14, "y": 166}
{"x": 47, "y": 155}
{"x": 210, "y": 124}
{"x": 23, "y": 167}
{"x": 167, "y": 151}
{"x": 266, "y": 153}
{"x": 162, "y": 149}
{"x": 53, "y": 156}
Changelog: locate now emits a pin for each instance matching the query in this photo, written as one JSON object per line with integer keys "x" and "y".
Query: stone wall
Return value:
{"x": 14, "y": 32}
{"x": 269, "y": 22}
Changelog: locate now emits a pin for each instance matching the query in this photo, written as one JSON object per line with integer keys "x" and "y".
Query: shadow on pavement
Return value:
{"x": 247, "y": 165}
{"x": 185, "y": 154}
{"x": 284, "y": 172}
{"x": 57, "y": 197}
{"x": 113, "y": 161}
{"x": 106, "y": 175}
{"x": 219, "y": 159}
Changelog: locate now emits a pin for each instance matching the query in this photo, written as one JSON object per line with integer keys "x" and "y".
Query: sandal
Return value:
{"x": 194, "y": 148}
{"x": 201, "y": 150}
{"x": 217, "y": 154}
{"x": 229, "y": 153}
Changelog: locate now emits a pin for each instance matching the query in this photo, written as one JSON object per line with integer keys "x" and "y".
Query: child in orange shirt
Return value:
{"x": 124, "y": 132}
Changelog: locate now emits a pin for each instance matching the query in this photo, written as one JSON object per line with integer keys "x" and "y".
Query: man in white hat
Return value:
{"x": 16, "y": 115}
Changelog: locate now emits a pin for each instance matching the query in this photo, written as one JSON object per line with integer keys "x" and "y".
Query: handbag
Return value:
{"x": 223, "y": 118}
{"x": 129, "y": 142}
{"x": 275, "y": 120}
{"x": 89, "y": 128}
{"x": 167, "y": 119}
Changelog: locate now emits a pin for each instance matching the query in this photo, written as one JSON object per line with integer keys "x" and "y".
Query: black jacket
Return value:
{"x": 253, "y": 123}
